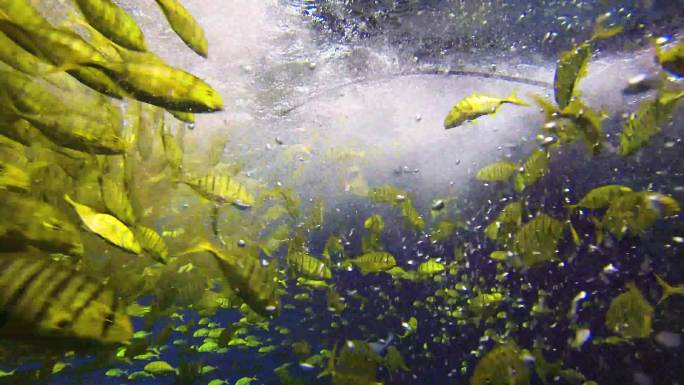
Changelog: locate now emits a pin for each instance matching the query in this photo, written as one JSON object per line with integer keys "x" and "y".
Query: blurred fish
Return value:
{"x": 221, "y": 189}
{"x": 114, "y": 22}
{"x": 668, "y": 290}
{"x": 184, "y": 25}
{"x": 38, "y": 224}
{"x": 107, "y": 227}
{"x": 47, "y": 303}
{"x": 476, "y": 105}
{"x": 251, "y": 282}
{"x": 672, "y": 59}
{"x": 502, "y": 365}
{"x": 373, "y": 262}
{"x": 629, "y": 314}
{"x": 642, "y": 83}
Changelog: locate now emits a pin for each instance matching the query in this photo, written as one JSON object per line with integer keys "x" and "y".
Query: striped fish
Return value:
{"x": 373, "y": 262}
{"x": 152, "y": 243}
{"x": 41, "y": 300}
{"x": 221, "y": 189}
{"x": 304, "y": 265}
{"x": 253, "y": 283}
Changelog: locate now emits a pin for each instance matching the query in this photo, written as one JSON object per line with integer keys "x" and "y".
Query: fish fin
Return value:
{"x": 598, "y": 230}
{"x": 575, "y": 236}
{"x": 514, "y": 99}
{"x": 667, "y": 288}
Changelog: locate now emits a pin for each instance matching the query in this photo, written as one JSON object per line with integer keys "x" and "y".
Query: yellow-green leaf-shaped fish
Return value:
{"x": 166, "y": 86}
{"x": 503, "y": 365}
{"x": 159, "y": 368}
{"x": 394, "y": 361}
{"x": 45, "y": 302}
{"x": 646, "y": 122}
{"x": 253, "y": 283}
{"x": 113, "y": 22}
{"x": 506, "y": 224}
{"x": 374, "y": 224}
{"x": 107, "y": 227}
{"x": 630, "y": 314}
{"x": 430, "y": 267}
{"x": 537, "y": 240}
{"x": 497, "y": 172}
{"x": 374, "y": 262}
{"x": 672, "y": 59}
{"x": 637, "y": 211}
{"x": 304, "y": 265}
{"x": 221, "y": 189}
{"x": 20, "y": 59}
{"x": 571, "y": 67}
{"x": 668, "y": 290}
{"x": 172, "y": 149}
{"x": 13, "y": 178}
{"x": 476, "y": 105}
{"x": 22, "y": 12}
{"x": 116, "y": 200}
{"x": 60, "y": 47}
{"x": 187, "y": 28}
{"x": 602, "y": 196}
{"x": 38, "y": 224}
{"x": 536, "y": 166}
{"x": 152, "y": 243}
{"x": 93, "y": 131}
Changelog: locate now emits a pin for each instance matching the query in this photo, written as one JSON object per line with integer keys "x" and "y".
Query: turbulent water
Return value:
{"x": 332, "y": 97}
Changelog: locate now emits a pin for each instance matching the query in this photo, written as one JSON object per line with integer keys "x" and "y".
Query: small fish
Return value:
{"x": 306, "y": 266}
{"x": 165, "y": 86}
{"x": 44, "y": 301}
{"x": 107, "y": 227}
{"x": 535, "y": 167}
{"x": 253, "y": 283}
{"x": 159, "y": 368}
{"x": 373, "y": 262}
{"x": 61, "y": 47}
{"x": 221, "y": 189}
{"x": 630, "y": 314}
{"x": 571, "y": 68}
{"x": 497, "y": 172}
{"x": 647, "y": 121}
{"x": 537, "y": 240}
{"x": 152, "y": 243}
{"x": 431, "y": 267}
{"x": 116, "y": 199}
{"x": 502, "y": 365}
{"x": 184, "y": 25}
{"x": 668, "y": 290}
{"x": 114, "y": 22}
{"x": 635, "y": 212}
{"x": 37, "y": 224}
{"x": 601, "y": 196}
{"x": 476, "y": 105}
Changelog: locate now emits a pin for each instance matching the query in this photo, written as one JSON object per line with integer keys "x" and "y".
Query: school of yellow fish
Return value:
{"x": 94, "y": 166}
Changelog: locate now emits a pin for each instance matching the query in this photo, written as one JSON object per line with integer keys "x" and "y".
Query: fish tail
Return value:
{"x": 516, "y": 100}
{"x": 667, "y": 288}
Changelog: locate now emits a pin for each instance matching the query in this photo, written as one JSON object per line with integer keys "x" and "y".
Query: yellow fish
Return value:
{"x": 45, "y": 302}
{"x": 476, "y": 105}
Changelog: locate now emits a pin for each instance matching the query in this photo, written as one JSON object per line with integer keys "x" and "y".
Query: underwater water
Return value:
{"x": 341, "y": 192}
